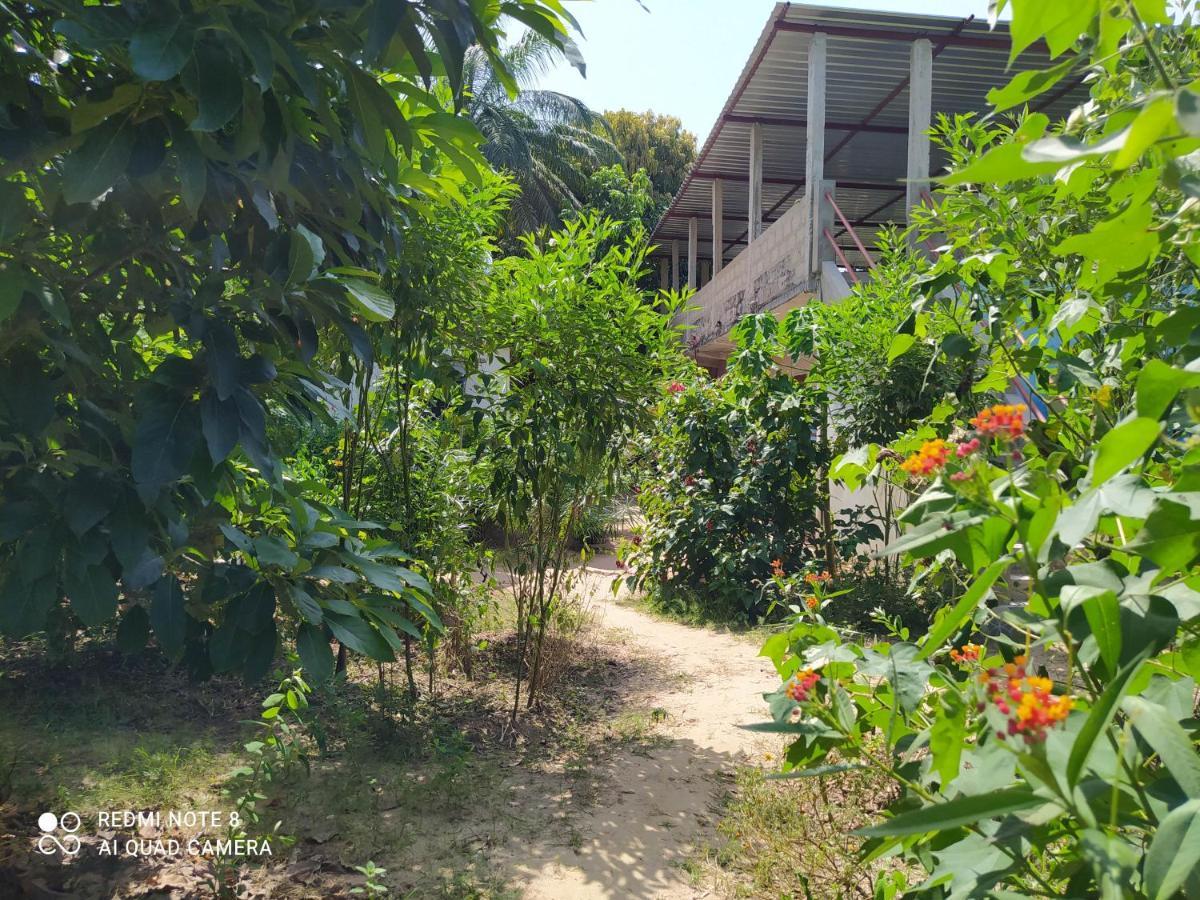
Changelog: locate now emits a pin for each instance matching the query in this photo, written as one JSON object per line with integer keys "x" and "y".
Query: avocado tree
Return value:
{"x": 195, "y": 199}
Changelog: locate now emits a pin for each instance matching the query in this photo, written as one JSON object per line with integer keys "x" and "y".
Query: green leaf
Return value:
{"x": 1112, "y": 860}
{"x": 1173, "y": 860}
{"x": 168, "y": 617}
{"x": 418, "y": 603}
{"x": 946, "y": 738}
{"x": 357, "y": 634}
{"x": 1151, "y": 123}
{"x": 1157, "y": 386}
{"x": 134, "y": 631}
{"x": 1169, "y": 536}
{"x": 92, "y": 592}
{"x": 165, "y": 438}
{"x": 1026, "y": 85}
{"x": 1121, "y": 447}
{"x": 272, "y": 551}
{"x": 387, "y": 578}
{"x": 89, "y": 115}
{"x": 908, "y": 675}
{"x": 1103, "y": 613}
{"x": 949, "y": 624}
{"x": 216, "y": 81}
{"x": 1060, "y": 24}
{"x": 99, "y": 162}
{"x": 1099, "y": 717}
{"x": 192, "y": 169}
{"x": 371, "y": 302}
{"x": 221, "y": 425}
{"x": 159, "y": 51}
{"x": 308, "y": 607}
{"x": 316, "y": 656}
{"x": 933, "y": 535}
{"x": 955, "y": 813}
{"x": 1166, "y": 736}
{"x": 900, "y": 345}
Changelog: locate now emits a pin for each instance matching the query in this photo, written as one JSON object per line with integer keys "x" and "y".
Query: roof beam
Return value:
{"x": 789, "y": 122}
{"x": 740, "y": 220}
{"x": 794, "y": 182}
{"x": 954, "y": 39}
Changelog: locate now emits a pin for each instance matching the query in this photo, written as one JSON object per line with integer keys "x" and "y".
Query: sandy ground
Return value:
{"x": 658, "y": 803}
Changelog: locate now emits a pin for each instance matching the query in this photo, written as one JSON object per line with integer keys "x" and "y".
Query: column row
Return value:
{"x": 920, "y": 85}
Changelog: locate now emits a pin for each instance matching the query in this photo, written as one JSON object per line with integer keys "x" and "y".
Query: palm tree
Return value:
{"x": 547, "y": 142}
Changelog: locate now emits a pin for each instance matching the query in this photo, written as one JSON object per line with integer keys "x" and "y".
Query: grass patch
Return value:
{"x": 791, "y": 838}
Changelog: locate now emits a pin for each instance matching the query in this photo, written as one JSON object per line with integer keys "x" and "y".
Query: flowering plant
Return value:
{"x": 1043, "y": 733}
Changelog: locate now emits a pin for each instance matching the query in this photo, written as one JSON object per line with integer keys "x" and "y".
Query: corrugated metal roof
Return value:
{"x": 867, "y": 60}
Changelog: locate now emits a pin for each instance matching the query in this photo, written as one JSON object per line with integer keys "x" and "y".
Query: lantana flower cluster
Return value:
{"x": 968, "y": 653}
{"x": 1003, "y": 423}
{"x": 1027, "y": 701}
{"x": 801, "y": 687}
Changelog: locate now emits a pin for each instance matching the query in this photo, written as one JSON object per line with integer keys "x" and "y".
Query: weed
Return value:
{"x": 791, "y": 838}
{"x": 374, "y": 887}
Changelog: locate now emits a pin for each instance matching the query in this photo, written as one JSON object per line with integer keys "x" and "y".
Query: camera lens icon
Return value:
{"x": 49, "y": 843}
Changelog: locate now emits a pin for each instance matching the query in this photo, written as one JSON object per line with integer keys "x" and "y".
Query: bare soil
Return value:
{"x": 606, "y": 789}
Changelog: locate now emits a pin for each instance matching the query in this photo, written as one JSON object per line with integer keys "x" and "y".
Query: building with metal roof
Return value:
{"x": 842, "y": 100}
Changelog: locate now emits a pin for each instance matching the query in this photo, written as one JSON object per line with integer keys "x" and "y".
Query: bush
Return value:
{"x": 1045, "y": 745}
{"x": 734, "y": 481}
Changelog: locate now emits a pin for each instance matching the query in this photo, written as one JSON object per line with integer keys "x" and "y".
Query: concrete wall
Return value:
{"x": 771, "y": 271}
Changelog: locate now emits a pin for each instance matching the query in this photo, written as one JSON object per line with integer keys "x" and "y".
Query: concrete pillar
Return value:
{"x": 706, "y": 272}
{"x": 674, "y": 265}
{"x": 814, "y": 155}
{"x": 718, "y": 225}
{"x": 664, "y": 276}
{"x": 920, "y": 116}
{"x": 693, "y": 253}
{"x": 754, "y": 213}
{"x": 825, "y": 222}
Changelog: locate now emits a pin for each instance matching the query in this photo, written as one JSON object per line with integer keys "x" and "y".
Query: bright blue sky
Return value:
{"x": 683, "y": 56}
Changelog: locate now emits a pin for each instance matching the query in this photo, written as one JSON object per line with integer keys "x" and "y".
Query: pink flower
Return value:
{"x": 675, "y": 387}
{"x": 968, "y": 448}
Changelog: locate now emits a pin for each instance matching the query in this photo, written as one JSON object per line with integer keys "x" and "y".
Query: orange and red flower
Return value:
{"x": 777, "y": 568}
{"x": 931, "y": 458}
{"x": 1003, "y": 421}
{"x": 813, "y": 578}
{"x": 969, "y": 653}
{"x": 1026, "y": 701}
{"x": 800, "y": 689}
{"x": 811, "y": 602}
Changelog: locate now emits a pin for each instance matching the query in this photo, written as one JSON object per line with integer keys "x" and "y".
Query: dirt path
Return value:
{"x": 657, "y": 802}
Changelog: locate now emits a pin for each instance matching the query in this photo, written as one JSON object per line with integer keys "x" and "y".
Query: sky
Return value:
{"x": 683, "y": 57}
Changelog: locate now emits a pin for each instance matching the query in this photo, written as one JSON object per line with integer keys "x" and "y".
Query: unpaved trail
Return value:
{"x": 656, "y": 804}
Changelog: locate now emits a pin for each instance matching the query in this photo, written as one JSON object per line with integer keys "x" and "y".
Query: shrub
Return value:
{"x": 1043, "y": 733}
{"x": 734, "y": 481}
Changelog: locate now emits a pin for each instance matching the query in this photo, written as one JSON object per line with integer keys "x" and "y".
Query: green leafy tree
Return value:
{"x": 1043, "y": 733}
{"x": 548, "y": 142}
{"x": 657, "y": 143}
{"x": 626, "y": 201}
{"x": 195, "y": 198}
{"x": 584, "y": 353}
{"x": 405, "y": 456}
